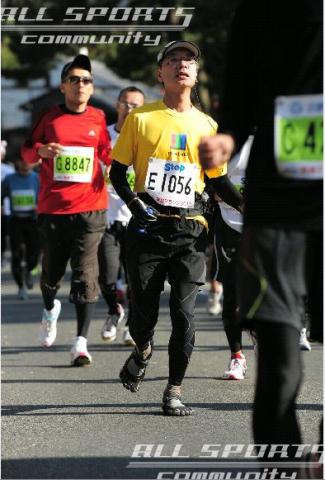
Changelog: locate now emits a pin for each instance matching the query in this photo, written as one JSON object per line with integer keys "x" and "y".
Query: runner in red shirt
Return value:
{"x": 69, "y": 142}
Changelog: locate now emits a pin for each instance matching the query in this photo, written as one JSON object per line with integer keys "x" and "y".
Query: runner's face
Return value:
{"x": 77, "y": 93}
{"x": 23, "y": 168}
{"x": 127, "y": 103}
{"x": 178, "y": 69}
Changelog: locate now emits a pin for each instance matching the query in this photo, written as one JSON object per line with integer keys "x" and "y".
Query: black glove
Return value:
{"x": 143, "y": 215}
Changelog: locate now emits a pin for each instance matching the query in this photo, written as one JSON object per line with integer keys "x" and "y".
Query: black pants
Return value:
{"x": 76, "y": 238}
{"x": 25, "y": 246}
{"x": 111, "y": 254}
{"x": 278, "y": 379}
{"x": 175, "y": 249}
{"x": 4, "y": 233}
{"x": 228, "y": 242}
{"x": 279, "y": 266}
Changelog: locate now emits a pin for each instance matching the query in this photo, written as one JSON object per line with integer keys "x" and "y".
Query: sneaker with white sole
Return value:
{"x": 109, "y": 329}
{"x": 80, "y": 357}
{"x": 303, "y": 341}
{"x": 237, "y": 368}
{"x": 48, "y": 328}
{"x": 127, "y": 339}
{"x": 214, "y": 303}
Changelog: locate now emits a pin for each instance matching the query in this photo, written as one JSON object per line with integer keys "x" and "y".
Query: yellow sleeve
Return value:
{"x": 216, "y": 172}
{"x": 125, "y": 148}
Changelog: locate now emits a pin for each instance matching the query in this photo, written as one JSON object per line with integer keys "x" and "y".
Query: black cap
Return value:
{"x": 179, "y": 44}
{"x": 81, "y": 61}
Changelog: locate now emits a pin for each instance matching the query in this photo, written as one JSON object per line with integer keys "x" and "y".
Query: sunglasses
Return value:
{"x": 74, "y": 80}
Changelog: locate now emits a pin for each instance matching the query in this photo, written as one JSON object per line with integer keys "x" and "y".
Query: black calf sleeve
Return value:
{"x": 110, "y": 296}
{"x": 85, "y": 313}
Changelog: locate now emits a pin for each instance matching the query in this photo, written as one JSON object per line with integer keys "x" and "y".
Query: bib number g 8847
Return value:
{"x": 74, "y": 164}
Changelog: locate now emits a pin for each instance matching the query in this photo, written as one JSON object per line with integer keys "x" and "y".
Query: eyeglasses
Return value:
{"x": 74, "y": 80}
{"x": 129, "y": 106}
{"x": 173, "y": 61}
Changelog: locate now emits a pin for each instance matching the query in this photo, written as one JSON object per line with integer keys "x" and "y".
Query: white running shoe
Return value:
{"x": 47, "y": 333}
{"x": 80, "y": 356}
{"x": 127, "y": 339}
{"x": 22, "y": 294}
{"x": 214, "y": 303}
{"x": 109, "y": 329}
{"x": 236, "y": 370}
{"x": 303, "y": 341}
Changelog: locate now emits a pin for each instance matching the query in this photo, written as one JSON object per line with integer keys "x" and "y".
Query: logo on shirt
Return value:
{"x": 92, "y": 133}
{"x": 178, "y": 141}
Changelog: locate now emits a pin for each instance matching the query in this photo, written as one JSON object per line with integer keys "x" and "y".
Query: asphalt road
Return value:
{"x": 64, "y": 422}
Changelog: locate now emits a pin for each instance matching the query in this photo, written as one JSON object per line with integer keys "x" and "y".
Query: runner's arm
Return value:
{"x": 223, "y": 187}
{"x": 119, "y": 181}
{"x": 104, "y": 145}
{"x": 143, "y": 215}
{"x": 35, "y": 140}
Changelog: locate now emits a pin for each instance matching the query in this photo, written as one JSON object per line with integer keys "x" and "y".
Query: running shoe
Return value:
{"x": 237, "y": 368}
{"x": 109, "y": 329}
{"x": 174, "y": 407}
{"x": 303, "y": 341}
{"x": 22, "y": 294}
{"x": 48, "y": 329}
{"x": 214, "y": 303}
{"x": 134, "y": 369}
{"x": 80, "y": 357}
{"x": 127, "y": 339}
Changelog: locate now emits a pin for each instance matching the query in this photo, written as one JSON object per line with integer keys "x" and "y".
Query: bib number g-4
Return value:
{"x": 298, "y": 136}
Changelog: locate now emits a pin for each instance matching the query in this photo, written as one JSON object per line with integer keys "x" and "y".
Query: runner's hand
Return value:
{"x": 214, "y": 151}
{"x": 50, "y": 150}
{"x": 143, "y": 215}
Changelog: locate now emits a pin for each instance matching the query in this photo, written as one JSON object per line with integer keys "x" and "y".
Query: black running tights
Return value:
{"x": 279, "y": 376}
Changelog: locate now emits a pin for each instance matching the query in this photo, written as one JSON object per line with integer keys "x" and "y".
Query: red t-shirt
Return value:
{"x": 86, "y": 129}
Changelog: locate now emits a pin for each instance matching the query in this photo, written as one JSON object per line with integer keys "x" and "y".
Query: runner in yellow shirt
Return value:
{"x": 167, "y": 234}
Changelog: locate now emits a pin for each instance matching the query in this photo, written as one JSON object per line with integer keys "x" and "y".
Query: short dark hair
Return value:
{"x": 129, "y": 89}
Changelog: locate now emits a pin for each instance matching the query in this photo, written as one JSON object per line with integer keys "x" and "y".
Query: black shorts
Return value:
{"x": 278, "y": 267}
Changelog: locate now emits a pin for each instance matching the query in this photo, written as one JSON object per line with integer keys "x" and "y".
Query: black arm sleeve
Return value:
{"x": 223, "y": 187}
{"x": 119, "y": 181}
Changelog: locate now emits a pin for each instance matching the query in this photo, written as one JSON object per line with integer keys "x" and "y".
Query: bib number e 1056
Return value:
{"x": 74, "y": 164}
{"x": 298, "y": 136}
{"x": 171, "y": 183}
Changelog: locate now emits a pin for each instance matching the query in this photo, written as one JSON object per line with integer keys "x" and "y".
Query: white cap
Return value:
{"x": 178, "y": 44}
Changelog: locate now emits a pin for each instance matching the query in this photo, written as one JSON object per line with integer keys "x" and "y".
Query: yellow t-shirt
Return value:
{"x": 155, "y": 130}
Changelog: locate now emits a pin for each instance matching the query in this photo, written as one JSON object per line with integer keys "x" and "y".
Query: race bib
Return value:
{"x": 23, "y": 200}
{"x": 298, "y": 136}
{"x": 74, "y": 164}
{"x": 171, "y": 183}
{"x": 238, "y": 182}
